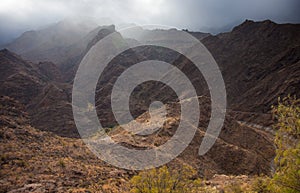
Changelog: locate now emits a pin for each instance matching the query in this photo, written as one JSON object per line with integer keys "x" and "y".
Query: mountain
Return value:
{"x": 51, "y": 43}
{"x": 255, "y": 58}
{"x": 259, "y": 61}
{"x": 44, "y": 88}
{"x": 65, "y": 43}
{"x": 46, "y": 100}
{"x": 77, "y": 51}
{"x": 248, "y": 57}
{"x": 18, "y": 77}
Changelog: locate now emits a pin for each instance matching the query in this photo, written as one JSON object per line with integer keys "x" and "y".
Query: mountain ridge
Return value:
{"x": 255, "y": 59}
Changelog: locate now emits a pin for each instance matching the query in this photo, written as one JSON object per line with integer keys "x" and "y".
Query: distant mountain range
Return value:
{"x": 259, "y": 61}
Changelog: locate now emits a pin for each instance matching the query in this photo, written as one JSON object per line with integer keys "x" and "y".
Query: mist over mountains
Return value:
{"x": 259, "y": 61}
{"x": 207, "y": 16}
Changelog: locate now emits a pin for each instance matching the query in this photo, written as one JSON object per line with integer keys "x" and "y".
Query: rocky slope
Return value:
{"x": 259, "y": 62}
{"x": 46, "y": 100}
{"x": 240, "y": 148}
{"x": 36, "y": 161}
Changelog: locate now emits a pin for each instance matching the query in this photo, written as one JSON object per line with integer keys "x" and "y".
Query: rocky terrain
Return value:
{"x": 37, "y": 161}
{"x": 259, "y": 60}
{"x": 40, "y": 149}
{"x": 46, "y": 99}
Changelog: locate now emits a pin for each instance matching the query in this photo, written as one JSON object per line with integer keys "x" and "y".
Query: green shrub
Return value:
{"x": 287, "y": 141}
{"x": 165, "y": 180}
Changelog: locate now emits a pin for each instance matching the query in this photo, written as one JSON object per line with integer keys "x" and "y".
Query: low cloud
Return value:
{"x": 198, "y": 15}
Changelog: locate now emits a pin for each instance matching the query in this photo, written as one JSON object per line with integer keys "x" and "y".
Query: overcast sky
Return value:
{"x": 17, "y": 16}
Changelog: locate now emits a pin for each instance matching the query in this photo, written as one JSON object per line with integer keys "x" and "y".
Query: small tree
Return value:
{"x": 165, "y": 180}
{"x": 287, "y": 141}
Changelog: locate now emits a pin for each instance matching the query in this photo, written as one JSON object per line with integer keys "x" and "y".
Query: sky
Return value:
{"x": 214, "y": 16}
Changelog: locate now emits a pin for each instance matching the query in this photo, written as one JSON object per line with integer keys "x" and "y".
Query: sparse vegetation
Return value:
{"x": 234, "y": 188}
{"x": 166, "y": 180}
{"x": 287, "y": 141}
{"x": 287, "y": 162}
{"x": 163, "y": 180}
{"x": 261, "y": 184}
